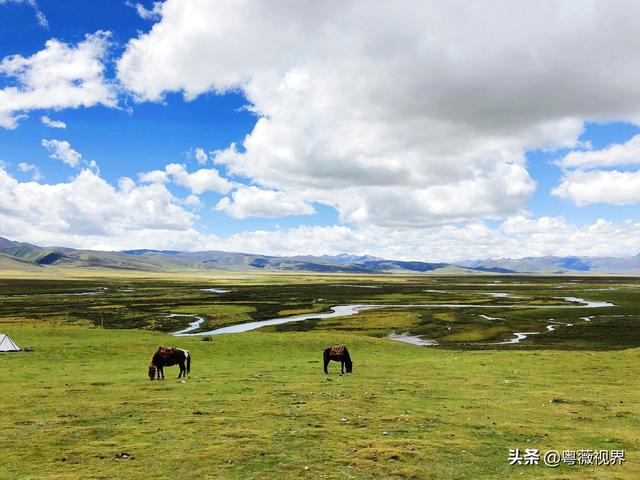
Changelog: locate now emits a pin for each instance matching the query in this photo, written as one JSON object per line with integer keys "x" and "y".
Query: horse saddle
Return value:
{"x": 336, "y": 351}
{"x": 166, "y": 351}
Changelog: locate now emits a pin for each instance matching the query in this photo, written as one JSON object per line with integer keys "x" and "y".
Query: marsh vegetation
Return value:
{"x": 492, "y": 310}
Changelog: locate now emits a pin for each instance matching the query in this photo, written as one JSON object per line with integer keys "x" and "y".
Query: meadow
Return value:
{"x": 77, "y": 403}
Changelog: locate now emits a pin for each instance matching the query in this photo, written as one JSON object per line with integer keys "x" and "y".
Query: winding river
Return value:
{"x": 353, "y": 309}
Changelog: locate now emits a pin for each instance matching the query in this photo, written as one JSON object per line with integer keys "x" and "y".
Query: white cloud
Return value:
{"x": 410, "y": 113}
{"x": 88, "y": 212}
{"x": 61, "y": 150}
{"x": 93, "y": 166}
{"x": 88, "y": 206}
{"x": 408, "y": 118}
{"x": 201, "y": 156}
{"x": 523, "y": 237}
{"x": 517, "y": 237}
{"x": 40, "y": 17}
{"x": 36, "y": 175}
{"x": 627, "y": 153}
{"x": 152, "y": 13}
{"x": 192, "y": 201}
{"x": 200, "y": 181}
{"x": 588, "y": 176}
{"x": 59, "y": 76}
{"x": 599, "y": 186}
{"x": 52, "y": 123}
{"x": 154, "y": 176}
{"x": 256, "y": 202}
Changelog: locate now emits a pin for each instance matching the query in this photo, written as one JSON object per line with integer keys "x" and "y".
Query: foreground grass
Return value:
{"x": 257, "y": 405}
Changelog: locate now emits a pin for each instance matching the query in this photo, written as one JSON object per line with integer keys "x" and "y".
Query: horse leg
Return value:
{"x": 181, "y": 372}
{"x": 341, "y": 366}
{"x": 160, "y": 372}
{"x": 326, "y": 363}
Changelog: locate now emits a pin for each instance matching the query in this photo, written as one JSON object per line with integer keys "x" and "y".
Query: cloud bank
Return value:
{"x": 88, "y": 212}
{"x": 410, "y": 114}
{"x": 411, "y": 119}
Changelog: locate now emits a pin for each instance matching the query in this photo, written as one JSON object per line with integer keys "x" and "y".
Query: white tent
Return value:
{"x": 7, "y": 345}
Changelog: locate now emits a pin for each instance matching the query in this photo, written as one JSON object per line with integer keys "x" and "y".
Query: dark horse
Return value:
{"x": 340, "y": 354}
{"x": 167, "y": 356}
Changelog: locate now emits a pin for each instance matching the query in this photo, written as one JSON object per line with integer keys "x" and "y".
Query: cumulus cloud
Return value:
{"x": 516, "y": 237}
{"x": 599, "y": 186}
{"x": 192, "y": 201}
{"x": 200, "y": 181}
{"x": 40, "y": 17}
{"x": 412, "y": 119}
{"x": 201, "y": 156}
{"x": 152, "y": 13}
{"x": 154, "y": 176}
{"x": 87, "y": 205}
{"x": 52, "y": 123}
{"x": 88, "y": 212}
{"x": 415, "y": 113}
{"x": 59, "y": 76}
{"x": 61, "y": 150}
{"x": 256, "y": 202}
{"x": 627, "y": 153}
{"x": 588, "y": 176}
{"x": 36, "y": 175}
{"x": 522, "y": 236}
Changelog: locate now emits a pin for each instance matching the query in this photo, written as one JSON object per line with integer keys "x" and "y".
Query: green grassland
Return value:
{"x": 78, "y": 404}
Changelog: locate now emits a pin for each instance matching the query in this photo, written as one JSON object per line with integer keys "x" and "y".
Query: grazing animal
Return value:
{"x": 338, "y": 353}
{"x": 167, "y": 356}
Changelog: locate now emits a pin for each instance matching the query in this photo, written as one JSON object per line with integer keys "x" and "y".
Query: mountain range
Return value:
{"x": 25, "y": 256}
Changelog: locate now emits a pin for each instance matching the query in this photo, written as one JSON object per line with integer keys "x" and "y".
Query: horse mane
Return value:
{"x": 154, "y": 356}
{"x": 157, "y": 356}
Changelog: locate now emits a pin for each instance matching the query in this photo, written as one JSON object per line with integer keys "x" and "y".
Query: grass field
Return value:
{"x": 257, "y": 405}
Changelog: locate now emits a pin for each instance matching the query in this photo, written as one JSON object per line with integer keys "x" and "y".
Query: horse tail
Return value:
{"x": 186, "y": 354}
{"x": 325, "y": 358}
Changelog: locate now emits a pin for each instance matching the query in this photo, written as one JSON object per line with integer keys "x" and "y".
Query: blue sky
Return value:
{"x": 346, "y": 134}
{"x": 547, "y": 175}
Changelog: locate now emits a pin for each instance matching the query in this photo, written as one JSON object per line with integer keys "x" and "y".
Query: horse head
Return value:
{"x": 152, "y": 371}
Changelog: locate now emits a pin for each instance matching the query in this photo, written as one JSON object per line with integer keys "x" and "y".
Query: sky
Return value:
{"x": 412, "y": 130}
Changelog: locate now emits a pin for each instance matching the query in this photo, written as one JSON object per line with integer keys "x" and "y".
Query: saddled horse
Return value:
{"x": 338, "y": 353}
{"x": 167, "y": 356}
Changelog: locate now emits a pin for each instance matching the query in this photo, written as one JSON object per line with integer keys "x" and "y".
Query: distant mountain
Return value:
{"x": 19, "y": 256}
{"x": 26, "y": 256}
{"x": 559, "y": 265}
{"x": 144, "y": 250}
{"x": 346, "y": 258}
